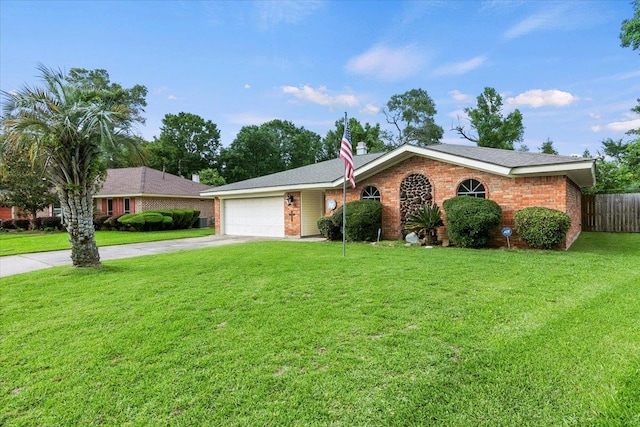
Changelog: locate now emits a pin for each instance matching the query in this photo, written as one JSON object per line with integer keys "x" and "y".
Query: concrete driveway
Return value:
{"x": 16, "y": 264}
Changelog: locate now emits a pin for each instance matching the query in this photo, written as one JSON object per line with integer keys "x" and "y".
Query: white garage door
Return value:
{"x": 254, "y": 217}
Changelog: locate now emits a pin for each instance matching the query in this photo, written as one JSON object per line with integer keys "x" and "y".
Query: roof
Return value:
{"x": 330, "y": 174}
{"x": 144, "y": 181}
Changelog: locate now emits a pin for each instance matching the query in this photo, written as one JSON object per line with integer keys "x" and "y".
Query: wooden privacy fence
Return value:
{"x": 611, "y": 212}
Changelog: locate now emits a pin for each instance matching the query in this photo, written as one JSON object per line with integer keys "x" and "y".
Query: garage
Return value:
{"x": 262, "y": 216}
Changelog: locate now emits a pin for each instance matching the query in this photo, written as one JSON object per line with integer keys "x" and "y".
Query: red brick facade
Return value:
{"x": 512, "y": 194}
{"x": 292, "y": 225}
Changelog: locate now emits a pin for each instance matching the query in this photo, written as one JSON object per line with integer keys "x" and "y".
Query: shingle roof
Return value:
{"x": 326, "y": 171}
{"x": 147, "y": 181}
{"x": 506, "y": 158}
{"x": 332, "y": 170}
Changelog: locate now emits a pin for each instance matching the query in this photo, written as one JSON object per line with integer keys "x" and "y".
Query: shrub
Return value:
{"x": 470, "y": 220}
{"x": 113, "y": 222}
{"x": 542, "y": 228}
{"x": 364, "y": 219}
{"x": 425, "y": 222}
{"x": 100, "y": 222}
{"x": 328, "y": 229}
{"x": 8, "y": 224}
{"x": 22, "y": 223}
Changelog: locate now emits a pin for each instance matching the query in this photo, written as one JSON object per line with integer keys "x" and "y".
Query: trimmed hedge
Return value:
{"x": 542, "y": 228}
{"x": 470, "y": 220}
{"x": 172, "y": 219}
{"x": 364, "y": 219}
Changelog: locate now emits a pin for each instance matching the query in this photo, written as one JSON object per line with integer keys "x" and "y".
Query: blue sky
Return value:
{"x": 240, "y": 63}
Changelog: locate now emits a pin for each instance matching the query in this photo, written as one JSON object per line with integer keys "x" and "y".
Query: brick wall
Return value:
{"x": 292, "y": 226}
{"x": 512, "y": 194}
{"x": 155, "y": 203}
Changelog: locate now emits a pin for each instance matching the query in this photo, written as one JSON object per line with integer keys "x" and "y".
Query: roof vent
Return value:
{"x": 361, "y": 148}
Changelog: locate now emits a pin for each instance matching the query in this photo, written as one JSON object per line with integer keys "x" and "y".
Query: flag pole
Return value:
{"x": 344, "y": 203}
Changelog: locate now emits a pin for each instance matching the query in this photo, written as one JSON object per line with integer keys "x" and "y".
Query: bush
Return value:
{"x": 100, "y": 222}
{"x": 328, "y": 229}
{"x": 8, "y": 224}
{"x": 22, "y": 223}
{"x": 425, "y": 222}
{"x": 542, "y": 228}
{"x": 470, "y": 220}
{"x": 113, "y": 222}
{"x": 364, "y": 219}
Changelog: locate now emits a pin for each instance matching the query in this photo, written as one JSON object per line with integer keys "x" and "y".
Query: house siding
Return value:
{"x": 512, "y": 194}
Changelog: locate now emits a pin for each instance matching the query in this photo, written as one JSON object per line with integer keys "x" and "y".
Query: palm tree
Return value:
{"x": 70, "y": 125}
{"x": 425, "y": 222}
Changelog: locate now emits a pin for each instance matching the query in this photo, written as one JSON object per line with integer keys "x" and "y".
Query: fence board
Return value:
{"x": 618, "y": 213}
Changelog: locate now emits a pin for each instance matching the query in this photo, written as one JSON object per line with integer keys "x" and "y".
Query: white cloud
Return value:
{"x": 596, "y": 128}
{"x": 172, "y": 97}
{"x": 541, "y": 98}
{"x": 624, "y": 126}
{"x": 247, "y": 86}
{"x": 320, "y": 96}
{"x": 459, "y": 96}
{"x": 160, "y": 90}
{"x": 548, "y": 18}
{"x": 370, "y": 109}
{"x": 388, "y": 63}
{"x": 458, "y": 115}
{"x": 594, "y": 115}
{"x": 458, "y": 68}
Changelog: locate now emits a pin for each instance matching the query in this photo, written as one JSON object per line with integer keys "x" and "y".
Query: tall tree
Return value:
{"x": 25, "y": 184}
{"x": 412, "y": 115}
{"x": 547, "y": 147}
{"x": 254, "y": 152}
{"x": 493, "y": 130}
{"x": 371, "y": 135}
{"x": 297, "y": 145}
{"x": 211, "y": 177}
{"x": 186, "y": 145}
{"x": 69, "y": 125}
{"x": 630, "y": 29}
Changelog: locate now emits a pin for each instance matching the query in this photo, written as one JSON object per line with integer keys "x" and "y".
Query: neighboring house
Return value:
{"x": 133, "y": 190}
{"x": 289, "y": 203}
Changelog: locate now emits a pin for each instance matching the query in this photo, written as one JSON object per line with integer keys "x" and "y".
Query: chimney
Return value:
{"x": 195, "y": 177}
{"x": 361, "y": 148}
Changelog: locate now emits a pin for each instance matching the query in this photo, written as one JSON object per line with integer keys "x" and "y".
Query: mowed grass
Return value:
{"x": 15, "y": 243}
{"x": 293, "y": 334}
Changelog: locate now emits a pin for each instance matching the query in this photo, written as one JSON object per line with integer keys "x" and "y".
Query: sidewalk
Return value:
{"x": 16, "y": 264}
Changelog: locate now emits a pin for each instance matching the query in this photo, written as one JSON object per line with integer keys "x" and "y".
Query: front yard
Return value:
{"x": 292, "y": 333}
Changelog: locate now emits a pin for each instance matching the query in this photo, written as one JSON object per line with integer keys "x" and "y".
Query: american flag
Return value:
{"x": 347, "y": 155}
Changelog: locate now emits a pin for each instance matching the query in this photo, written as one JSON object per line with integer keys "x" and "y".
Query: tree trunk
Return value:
{"x": 77, "y": 215}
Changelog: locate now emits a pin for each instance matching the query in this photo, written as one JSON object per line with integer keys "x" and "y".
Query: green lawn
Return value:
{"x": 15, "y": 243}
{"x": 293, "y": 334}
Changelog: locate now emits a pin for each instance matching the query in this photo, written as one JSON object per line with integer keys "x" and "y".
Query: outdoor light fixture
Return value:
{"x": 289, "y": 199}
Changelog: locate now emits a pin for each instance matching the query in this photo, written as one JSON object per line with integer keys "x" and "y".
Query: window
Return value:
{"x": 370, "y": 193}
{"x": 109, "y": 207}
{"x": 127, "y": 206}
{"x": 471, "y": 187}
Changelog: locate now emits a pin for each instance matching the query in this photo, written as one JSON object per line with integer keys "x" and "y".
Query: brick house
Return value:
{"x": 289, "y": 203}
{"x": 139, "y": 189}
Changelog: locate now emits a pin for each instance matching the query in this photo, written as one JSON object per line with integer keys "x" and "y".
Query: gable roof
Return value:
{"x": 144, "y": 181}
{"x": 330, "y": 174}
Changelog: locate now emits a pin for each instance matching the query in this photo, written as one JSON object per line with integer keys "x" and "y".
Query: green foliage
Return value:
{"x": 471, "y": 219}
{"x": 174, "y": 219}
{"x": 547, "y": 147}
{"x": 187, "y": 144}
{"x": 372, "y": 136}
{"x": 425, "y": 222}
{"x": 328, "y": 229}
{"x": 24, "y": 183}
{"x": 630, "y": 29}
{"x": 211, "y": 177}
{"x": 412, "y": 113}
{"x": 542, "y": 228}
{"x": 271, "y": 147}
{"x": 492, "y": 129}
{"x": 364, "y": 218}
{"x": 617, "y": 167}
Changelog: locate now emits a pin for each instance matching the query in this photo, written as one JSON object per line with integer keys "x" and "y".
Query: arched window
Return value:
{"x": 370, "y": 193}
{"x": 471, "y": 187}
